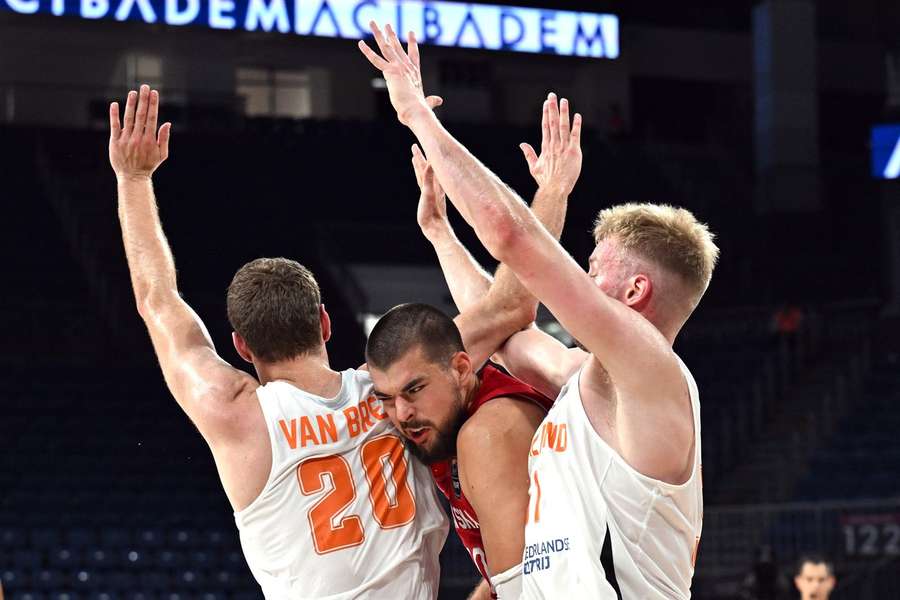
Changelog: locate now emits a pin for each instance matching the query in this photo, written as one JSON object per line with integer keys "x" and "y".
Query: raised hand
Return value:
{"x": 401, "y": 72}
{"x": 432, "y": 211}
{"x": 136, "y": 149}
{"x": 559, "y": 164}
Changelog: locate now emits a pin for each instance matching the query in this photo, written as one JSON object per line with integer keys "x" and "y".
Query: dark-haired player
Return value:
{"x": 473, "y": 425}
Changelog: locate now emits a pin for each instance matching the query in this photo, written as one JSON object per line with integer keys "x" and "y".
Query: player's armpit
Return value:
{"x": 212, "y": 393}
{"x": 540, "y": 360}
{"x": 498, "y": 488}
{"x": 654, "y": 433}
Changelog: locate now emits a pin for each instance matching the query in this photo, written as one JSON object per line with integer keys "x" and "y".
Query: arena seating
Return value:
{"x": 862, "y": 459}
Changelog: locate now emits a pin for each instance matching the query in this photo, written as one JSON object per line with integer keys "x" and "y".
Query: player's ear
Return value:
{"x": 639, "y": 292}
{"x": 241, "y": 346}
{"x": 325, "y": 322}
{"x": 461, "y": 364}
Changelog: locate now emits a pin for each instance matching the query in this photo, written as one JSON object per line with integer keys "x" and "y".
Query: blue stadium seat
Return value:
{"x": 26, "y": 559}
{"x": 151, "y": 538}
{"x": 103, "y": 595}
{"x": 11, "y": 537}
{"x": 45, "y": 538}
{"x": 81, "y": 538}
{"x": 62, "y": 558}
{"x": 115, "y": 538}
{"x": 48, "y": 579}
{"x": 155, "y": 580}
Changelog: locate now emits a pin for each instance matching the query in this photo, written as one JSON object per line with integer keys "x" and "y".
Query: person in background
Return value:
{"x": 815, "y": 577}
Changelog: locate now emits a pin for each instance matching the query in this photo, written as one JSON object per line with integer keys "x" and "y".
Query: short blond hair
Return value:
{"x": 668, "y": 236}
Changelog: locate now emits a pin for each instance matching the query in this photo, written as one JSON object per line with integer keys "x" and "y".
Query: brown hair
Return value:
{"x": 273, "y": 303}
{"x": 668, "y": 236}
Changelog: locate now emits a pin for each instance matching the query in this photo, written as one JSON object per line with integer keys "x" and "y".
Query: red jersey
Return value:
{"x": 494, "y": 384}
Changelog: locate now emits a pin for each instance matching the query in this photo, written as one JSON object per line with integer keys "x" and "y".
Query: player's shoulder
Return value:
{"x": 360, "y": 376}
{"x": 501, "y": 417}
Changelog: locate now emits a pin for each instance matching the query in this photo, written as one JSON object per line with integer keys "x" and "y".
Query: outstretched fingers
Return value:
{"x": 419, "y": 163}
{"x": 545, "y": 127}
{"x": 575, "y": 138}
{"x": 564, "y": 121}
{"x": 381, "y": 40}
{"x": 413, "y": 48}
{"x": 531, "y": 156}
{"x": 162, "y": 140}
{"x": 377, "y": 62}
{"x": 152, "y": 115}
{"x": 130, "y": 104}
{"x": 395, "y": 44}
{"x": 143, "y": 106}
{"x": 115, "y": 125}
{"x": 554, "y": 119}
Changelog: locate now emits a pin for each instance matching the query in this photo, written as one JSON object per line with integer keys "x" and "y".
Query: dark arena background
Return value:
{"x": 776, "y": 122}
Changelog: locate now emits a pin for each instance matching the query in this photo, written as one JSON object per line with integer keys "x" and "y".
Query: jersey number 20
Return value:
{"x": 390, "y": 509}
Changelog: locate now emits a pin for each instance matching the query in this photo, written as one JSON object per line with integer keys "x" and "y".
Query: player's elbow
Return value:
{"x": 150, "y": 302}
{"x": 526, "y": 315}
{"x": 520, "y": 316}
{"x": 505, "y": 237}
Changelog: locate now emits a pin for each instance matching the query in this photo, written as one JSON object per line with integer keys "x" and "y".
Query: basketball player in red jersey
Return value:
{"x": 453, "y": 412}
{"x": 454, "y": 417}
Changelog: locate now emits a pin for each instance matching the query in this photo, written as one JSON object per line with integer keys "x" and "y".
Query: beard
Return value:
{"x": 443, "y": 444}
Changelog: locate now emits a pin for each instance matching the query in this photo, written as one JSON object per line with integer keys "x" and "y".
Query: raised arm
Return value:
{"x": 636, "y": 356}
{"x": 467, "y": 280}
{"x": 207, "y": 388}
{"x": 491, "y": 311}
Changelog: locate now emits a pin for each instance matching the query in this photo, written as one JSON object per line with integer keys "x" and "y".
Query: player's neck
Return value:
{"x": 311, "y": 373}
{"x": 471, "y": 389}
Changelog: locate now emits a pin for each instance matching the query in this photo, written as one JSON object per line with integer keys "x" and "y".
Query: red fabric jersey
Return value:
{"x": 494, "y": 384}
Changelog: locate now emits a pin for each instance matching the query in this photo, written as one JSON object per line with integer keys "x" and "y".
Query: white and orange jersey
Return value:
{"x": 596, "y": 527}
{"x": 346, "y": 511}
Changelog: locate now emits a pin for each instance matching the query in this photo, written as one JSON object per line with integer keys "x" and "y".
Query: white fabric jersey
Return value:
{"x": 346, "y": 511}
{"x": 596, "y": 527}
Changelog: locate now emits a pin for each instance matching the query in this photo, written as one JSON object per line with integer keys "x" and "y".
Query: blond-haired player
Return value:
{"x": 616, "y": 499}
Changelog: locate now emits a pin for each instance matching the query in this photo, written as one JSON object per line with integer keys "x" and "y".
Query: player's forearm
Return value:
{"x": 150, "y": 260}
{"x": 493, "y": 209}
{"x": 467, "y": 280}
{"x": 507, "y": 293}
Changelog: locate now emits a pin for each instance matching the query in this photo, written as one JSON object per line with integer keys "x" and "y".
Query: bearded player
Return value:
{"x": 616, "y": 494}
{"x": 453, "y": 412}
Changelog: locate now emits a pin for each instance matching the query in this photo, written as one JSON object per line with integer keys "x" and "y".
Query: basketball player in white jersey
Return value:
{"x": 616, "y": 498}
{"x": 327, "y": 501}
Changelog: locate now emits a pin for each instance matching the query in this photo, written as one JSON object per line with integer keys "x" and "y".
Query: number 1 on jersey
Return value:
{"x": 537, "y": 498}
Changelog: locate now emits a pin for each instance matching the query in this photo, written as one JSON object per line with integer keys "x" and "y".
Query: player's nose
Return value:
{"x": 405, "y": 410}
